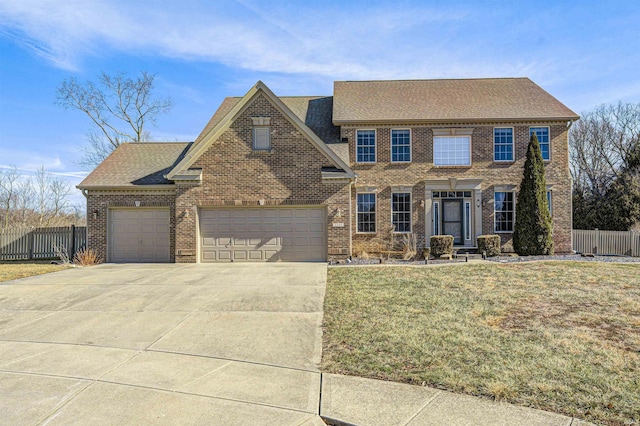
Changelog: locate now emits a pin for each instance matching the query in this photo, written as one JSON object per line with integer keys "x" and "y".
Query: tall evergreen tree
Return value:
{"x": 533, "y": 229}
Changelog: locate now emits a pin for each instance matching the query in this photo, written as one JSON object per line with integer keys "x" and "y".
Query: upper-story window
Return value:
{"x": 400, "y": 145}
{"x": 503, "y": 144}
{"x": 365, "y": 146}
{"x": 452, "y": 150}
{"x": 261, "y": 133}
{"x": 543, "y": 139}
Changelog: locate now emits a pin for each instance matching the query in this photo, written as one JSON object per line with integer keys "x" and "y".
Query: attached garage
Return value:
{"x": 263, "y": 234}
{"x": 139, "y": 235}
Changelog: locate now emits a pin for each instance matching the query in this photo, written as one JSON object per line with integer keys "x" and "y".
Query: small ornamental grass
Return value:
{"x": 87, "y": 257}
{"x": 558, "y": 336}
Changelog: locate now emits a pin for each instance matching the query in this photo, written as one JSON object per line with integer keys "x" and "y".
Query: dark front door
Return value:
{"x": 452, "y": 223}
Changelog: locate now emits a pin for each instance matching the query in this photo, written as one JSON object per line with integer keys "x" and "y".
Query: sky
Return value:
{"x": 584, "y": 53}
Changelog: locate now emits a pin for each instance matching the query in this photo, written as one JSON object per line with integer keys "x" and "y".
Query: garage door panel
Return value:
{"x": 263, "y": 234}
{"x": 139, "y": 235}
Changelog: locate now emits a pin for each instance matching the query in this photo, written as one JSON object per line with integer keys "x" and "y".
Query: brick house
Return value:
{"x": 299, "y": 178}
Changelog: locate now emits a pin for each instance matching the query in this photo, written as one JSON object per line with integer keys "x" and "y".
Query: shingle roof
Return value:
{"x": 135, "y": 164}
{"x": 444, "y": 101}
{"x": 314, "y": 111}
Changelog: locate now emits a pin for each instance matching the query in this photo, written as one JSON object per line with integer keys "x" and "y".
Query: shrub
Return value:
{"x": 87, "y": 257}
{"x": 532, "y": 231}
{"x": 441, "y": 244}
{"x": 490, "y": 244}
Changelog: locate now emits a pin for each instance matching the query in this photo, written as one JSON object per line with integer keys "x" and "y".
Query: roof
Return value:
{"x": 314, "y": 111}
{"x": 486, "y": 99}
{"x": 304, "y": 113}
{"x": 137, "y": 163}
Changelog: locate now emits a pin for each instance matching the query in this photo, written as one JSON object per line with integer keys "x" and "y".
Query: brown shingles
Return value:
{"x": 444, "y": 100}
{"x": 135, "y": 164}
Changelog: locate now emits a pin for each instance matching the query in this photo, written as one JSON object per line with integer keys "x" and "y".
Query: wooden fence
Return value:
{"x": 607, "y": 242}
{"x": 38, "y": 243}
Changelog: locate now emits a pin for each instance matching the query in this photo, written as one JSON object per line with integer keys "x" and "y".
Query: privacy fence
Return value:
{"x": 40, "y": 243}
{"x": 607, "y": 242}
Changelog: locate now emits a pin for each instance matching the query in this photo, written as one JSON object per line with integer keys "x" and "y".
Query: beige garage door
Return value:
{"x": 139, "y": 235}
{"x": 263, "y": 234}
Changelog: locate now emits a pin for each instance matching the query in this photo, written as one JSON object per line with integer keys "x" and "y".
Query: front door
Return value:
{"x": 452, "y": 219}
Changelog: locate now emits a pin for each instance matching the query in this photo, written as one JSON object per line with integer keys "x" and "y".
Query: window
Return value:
{"x": 452, "y": 150}
{"x": 366, "y": 146}
{"x": 467, "y": 220}
{"x": 451, "y": 194}
{"x": 543, "y": 139}
{"x": 549, "y": 202}
{"x": 401, "y": 211}
{"x": 503, "y": 209}
{"x": 366, "y": 212}
{"x": 436, "y": 218}
{"x": 503, "y": 144}
{"x": 261, "y": 138}
{"x": 261, "y": 133}
{"x": 400, "y": 146}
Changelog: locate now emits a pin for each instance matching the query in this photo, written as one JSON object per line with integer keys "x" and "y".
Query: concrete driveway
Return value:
{"x": 163, "y": 344}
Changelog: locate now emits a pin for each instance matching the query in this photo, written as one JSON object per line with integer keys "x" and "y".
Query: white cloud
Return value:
{"x": 356, "y": 41}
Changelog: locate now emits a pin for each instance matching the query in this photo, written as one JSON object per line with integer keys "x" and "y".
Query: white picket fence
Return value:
{"x": 625, "y": 243}
{"x": 38, "y": 243}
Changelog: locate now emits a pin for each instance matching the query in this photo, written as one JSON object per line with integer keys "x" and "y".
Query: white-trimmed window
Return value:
{"x": 452, "y": 150}
{"x": 365, "y": 146}
{"x": 543, "y": 139}
{"x": 503, "y": 211}
{"x": 366, "y": 212}
{"x": 261, "y": 137}
{"x": 401, "y": 211}
{"x": 436, "y": 218}
{"x": 400, "y": 145}
{"x": 503, "y": 144}
{"x": 550, "y": 202}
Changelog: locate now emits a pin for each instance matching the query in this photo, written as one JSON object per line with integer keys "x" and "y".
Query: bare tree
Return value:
{"x": 601, "y": 144}
{"x": 605, "y": 165}
{"x": 119, "y": 107}
{"x": 8, "y": 193}
{"x": 40, "y": 200}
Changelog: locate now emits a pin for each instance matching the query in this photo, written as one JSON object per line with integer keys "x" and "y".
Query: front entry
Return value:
{"x": 452, "y": 219}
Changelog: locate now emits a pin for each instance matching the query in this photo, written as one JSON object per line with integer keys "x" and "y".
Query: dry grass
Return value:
{"x": 87, "y": 257}
{"x": 559, "y": 336}
{"x": 14, "y": 270}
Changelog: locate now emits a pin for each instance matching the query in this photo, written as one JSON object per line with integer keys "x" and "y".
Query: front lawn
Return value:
{"x": 14, "y": 270}
{"x": 558, "y": 336}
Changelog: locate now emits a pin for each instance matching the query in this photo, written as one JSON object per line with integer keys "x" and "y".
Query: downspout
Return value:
{"x": 353, "y": 183}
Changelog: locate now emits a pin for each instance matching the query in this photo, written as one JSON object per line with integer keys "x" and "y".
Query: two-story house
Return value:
{"x": 299, "y": 178}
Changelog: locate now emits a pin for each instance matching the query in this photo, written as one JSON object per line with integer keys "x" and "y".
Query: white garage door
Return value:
{"x": 263, "y": 234}
{"x": 139, "y": 235}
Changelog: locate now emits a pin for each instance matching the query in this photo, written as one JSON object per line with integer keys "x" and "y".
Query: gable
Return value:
{"x": 221, "y": 122}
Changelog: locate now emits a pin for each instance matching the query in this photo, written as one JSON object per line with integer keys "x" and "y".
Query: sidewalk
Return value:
{"x": 349, "y": 400}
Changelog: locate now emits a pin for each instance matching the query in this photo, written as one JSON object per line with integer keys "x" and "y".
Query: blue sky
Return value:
{"x": 584, "y": 53}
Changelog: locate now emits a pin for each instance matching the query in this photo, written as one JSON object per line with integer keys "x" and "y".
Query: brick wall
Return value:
{"x": 234, "y": 174}
{"x": 101, "y": 202}
{"x": 383, "y": 174}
